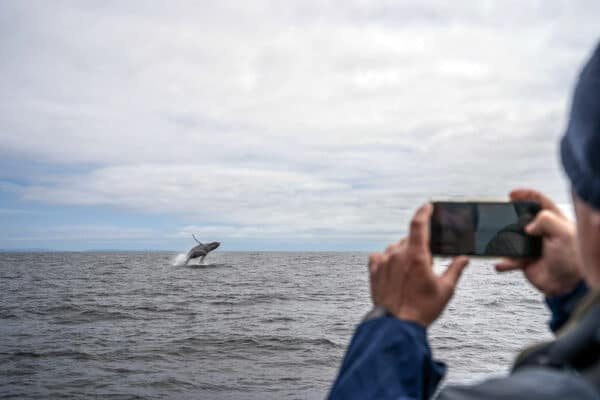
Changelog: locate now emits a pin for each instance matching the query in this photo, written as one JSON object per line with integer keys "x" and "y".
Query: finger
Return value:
{"x": 507, "y": 264}
{"x": 533, "y": 195}
{"x": 375, "y": 260}
{"x": 454, "y": 271}
{"x": 385, "y": 257}
{"x": 419, "y": 227}
{"x": 403, "y": 243}
{"x": 393, "y": 247}
{"x": 546, "y": 223}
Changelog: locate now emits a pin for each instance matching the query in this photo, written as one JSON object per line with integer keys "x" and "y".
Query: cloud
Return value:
{"x": 309, "y": 118}
{"x": 260, "y": 201}
{"x": 89, "y": 233}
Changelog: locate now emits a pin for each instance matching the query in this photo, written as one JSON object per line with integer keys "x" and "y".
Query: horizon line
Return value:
{"x": 41, "y": 250}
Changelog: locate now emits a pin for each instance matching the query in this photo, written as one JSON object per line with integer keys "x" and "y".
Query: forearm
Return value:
{"x": 388, "y": 358}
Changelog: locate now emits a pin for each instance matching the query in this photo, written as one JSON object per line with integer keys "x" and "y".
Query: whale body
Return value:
{"x": 201, "y": 250}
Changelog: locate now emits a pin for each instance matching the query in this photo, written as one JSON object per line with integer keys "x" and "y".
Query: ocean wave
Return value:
{"x": 251, "y": 299}
{"x": 260, "y": 342}
{"x": 88, "y": 316}
{"x": 4, "y": 314}
{"x": 20, "y": 355}
{"x": 277, "y": 319}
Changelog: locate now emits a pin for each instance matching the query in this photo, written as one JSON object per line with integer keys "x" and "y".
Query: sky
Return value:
{"x": 270, "y": 125}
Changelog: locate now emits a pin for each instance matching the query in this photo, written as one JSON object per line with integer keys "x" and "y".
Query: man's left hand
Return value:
{"x": 402, "y": 278}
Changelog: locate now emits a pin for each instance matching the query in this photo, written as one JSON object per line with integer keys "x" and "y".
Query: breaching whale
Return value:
{"x": 201, "y": 250}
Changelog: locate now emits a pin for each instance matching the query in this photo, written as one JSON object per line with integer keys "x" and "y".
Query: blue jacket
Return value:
{"x": 390, "y": 358}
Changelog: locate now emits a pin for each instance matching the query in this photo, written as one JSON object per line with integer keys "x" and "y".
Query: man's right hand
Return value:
{"x": 558, "y": 271}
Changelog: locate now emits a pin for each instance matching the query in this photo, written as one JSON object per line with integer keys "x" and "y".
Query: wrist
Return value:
{"x": 565, "y": 286}
{"x": 414, "y": 317}
{"x": 381, "y": 315}
{"x": 377, "y": 311}
{"x": 402, "y": 314}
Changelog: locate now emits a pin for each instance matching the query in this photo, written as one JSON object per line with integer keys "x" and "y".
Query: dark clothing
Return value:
{"x": 563, "y": 306}
{"x": 391, "y": 359}
{"x": 527, "y": 384}
{"x": 388, "y": 359}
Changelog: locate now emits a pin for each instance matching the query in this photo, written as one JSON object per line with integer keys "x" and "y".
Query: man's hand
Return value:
{"x": 402, "y": 278}
{"x": 559, "y": 269}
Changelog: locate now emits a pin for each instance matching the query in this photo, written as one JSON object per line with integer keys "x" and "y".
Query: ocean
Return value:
{"x": 247, "y": 325}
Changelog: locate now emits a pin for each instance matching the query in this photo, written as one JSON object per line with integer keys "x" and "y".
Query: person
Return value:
{"x": 389, "y": 356}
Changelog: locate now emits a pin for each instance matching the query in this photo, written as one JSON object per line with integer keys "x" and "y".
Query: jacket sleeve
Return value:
{"x": 562, "y": 306}
{"x": 388, "y": 359}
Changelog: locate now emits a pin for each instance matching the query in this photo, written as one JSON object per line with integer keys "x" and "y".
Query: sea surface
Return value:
{"x": 244, "y": 326}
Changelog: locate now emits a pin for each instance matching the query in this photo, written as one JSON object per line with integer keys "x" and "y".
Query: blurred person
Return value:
{"x": 389, "y": 355}
{"x": 455, "y": 228}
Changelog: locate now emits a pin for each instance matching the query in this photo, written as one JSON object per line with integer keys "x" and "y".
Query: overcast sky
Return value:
{"x": 274, "y": 124}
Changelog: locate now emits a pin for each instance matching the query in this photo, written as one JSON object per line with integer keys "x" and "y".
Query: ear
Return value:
{"x": 595, "y": 222}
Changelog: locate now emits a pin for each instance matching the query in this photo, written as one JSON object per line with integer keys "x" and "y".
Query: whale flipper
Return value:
{"x": 197, "y": 241}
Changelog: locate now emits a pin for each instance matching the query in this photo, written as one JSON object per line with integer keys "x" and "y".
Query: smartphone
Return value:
{"x": 484, "y": 229}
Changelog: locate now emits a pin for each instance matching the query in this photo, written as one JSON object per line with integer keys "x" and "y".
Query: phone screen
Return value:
{"x": 484, "y": 229}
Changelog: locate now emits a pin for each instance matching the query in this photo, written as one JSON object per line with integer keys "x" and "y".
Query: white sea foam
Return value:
{"x": 179, "y": 259}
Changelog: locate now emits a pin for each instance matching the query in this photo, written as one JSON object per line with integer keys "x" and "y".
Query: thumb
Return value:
{"x": 546, "y": 223}
{"x": 454, "y": 270}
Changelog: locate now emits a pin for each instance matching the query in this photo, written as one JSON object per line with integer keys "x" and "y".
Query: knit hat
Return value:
{"x": 580, "y": 146}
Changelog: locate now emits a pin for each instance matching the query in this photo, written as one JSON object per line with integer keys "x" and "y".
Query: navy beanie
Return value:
{"x": 580, "y": 146}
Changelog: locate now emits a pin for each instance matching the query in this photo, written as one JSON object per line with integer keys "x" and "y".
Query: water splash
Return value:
{"x": 179, "y": 260}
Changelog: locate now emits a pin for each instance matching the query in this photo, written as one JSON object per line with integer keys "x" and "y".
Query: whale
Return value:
{"x": 201, "y": 250}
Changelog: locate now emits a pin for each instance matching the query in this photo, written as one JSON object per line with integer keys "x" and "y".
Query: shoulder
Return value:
{"x": 527, "y": 383}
